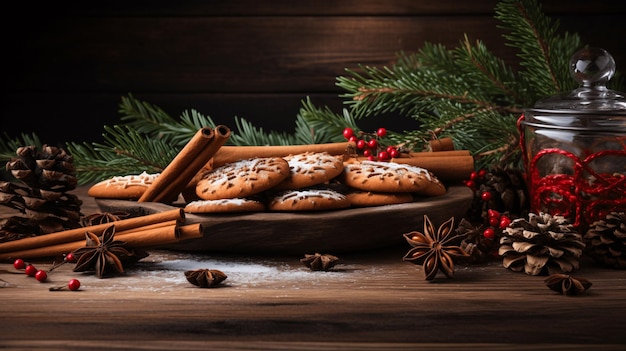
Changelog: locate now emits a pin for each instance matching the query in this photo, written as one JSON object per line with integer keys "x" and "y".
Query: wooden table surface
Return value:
{"x": 370, "y": 301}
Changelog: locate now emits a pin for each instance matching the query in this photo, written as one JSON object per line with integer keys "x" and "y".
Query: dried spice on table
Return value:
{"x": 566, "y": 284}
{"x": 435, "y": 250}
{"x": 205, "y": 278}
{"x": 320, "y": 262}
{"x": 104, "y": 255}
{"x": 104, "y": 217}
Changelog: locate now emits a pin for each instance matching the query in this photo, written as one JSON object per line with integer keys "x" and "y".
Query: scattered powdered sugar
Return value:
{"x": 240, "y": 273}
{"x": 166, "y": 274}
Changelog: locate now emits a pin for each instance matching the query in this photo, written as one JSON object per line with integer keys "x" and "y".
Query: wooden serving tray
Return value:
{"x": 337, "y": 231}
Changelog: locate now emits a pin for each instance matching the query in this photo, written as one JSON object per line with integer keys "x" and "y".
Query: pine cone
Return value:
{"x": 606, "y": 240}
{"x": 541, "y": 245}
{"x": 508, "y": 194}
{"x": 49, "y": 169}
{"x": 46, "y": 176}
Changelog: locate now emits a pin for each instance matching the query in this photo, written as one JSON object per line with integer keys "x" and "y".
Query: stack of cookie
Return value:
{"x": 310, "y": 181}
{"x": 290, "y": 183}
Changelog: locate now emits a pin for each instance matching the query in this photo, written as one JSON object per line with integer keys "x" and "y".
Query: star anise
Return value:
{"x": 104, "y": 217}
{"x": 205, "y": 278}
{"x": 434, "y": 249}
{"x": 319, "y": 262}
{"x": 566, "y": 284}
{"x": 104, "y": 254}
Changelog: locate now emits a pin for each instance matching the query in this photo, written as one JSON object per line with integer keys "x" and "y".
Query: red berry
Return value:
{"x": 470, "y": 183}
{"x": 371, "y": 158}
{"x": 474, "y": 175}
{"x": 19, "y": 264}
{"x": 30, "y": 270}
{"x": 486, "y": 196}
{"x": 41, "y": 276}
{"x": 493, "y": 213}
{"x": 489, "y": 233}
{"x": 372, "y": 144}
{"x": 70, "y": 258}
{"x": 383, "y": 156}
{"x": 482, "y": 173}
{"x": 393, "y": 153}
{"x": 353, "y": 139}
{"x": 494, "y": 222}
{"x": 504, "y": 222}
{"x": 360, "y": 144}
{"x": 348, "y": 132}
{"x": 367, "y": 153}
{"x": 73, "y": 284}
{"x": 381, "y": 132}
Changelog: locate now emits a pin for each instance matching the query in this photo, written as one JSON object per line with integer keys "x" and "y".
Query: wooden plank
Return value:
{"x": 77, "y": 62}
{"x": 308, "y": 7}
{"x": 56, "y": 117}
{"x": 369, "y": 298}
{"x": 224, "y": 54}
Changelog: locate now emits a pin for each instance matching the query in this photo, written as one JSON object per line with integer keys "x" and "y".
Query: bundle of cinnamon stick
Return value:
{"x": 143, "y": 232}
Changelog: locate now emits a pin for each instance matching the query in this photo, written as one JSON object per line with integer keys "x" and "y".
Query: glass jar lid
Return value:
{"x": 592, "y": 68}
{"x": 592, "y": 106}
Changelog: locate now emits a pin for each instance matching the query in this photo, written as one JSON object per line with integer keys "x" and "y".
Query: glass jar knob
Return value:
{"x": 592, "y": 67}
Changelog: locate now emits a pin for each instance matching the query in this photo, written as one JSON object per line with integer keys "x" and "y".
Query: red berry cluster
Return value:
{"x": 497, "y": 223}
{"x": 474, "y": 178}
{"x": 370, "y": 144}
{"x": 42, "y": 275}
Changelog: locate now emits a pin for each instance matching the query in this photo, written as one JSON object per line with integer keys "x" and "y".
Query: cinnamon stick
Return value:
{"x": 441, "y": 144}
{"x": 185, "y": 172}
{"x": 451, "y": 165}
{"x": 79, "y": 233}
{"x": 439, "y": 154}
{"x": 449, "y": 168}
{"x": 228, "y": 154}
{"x": 188, "y": 153}
{"x": 138, "y": 239}
{"x": 149, "y": 226}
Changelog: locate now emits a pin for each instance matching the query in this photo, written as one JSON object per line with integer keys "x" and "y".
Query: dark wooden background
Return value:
{"x": 66, "y": 67}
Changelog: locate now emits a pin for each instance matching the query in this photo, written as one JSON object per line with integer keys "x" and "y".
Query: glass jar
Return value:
{"x": 574, "y": 145}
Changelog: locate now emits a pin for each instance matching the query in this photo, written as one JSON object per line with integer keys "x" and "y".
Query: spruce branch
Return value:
{"x": 467, "y": 92}
{"x": 326, "y": 124}
{"x": 9, "y": 145}
{"x": 543, "y": 52}
{"x": 124, "y": 151}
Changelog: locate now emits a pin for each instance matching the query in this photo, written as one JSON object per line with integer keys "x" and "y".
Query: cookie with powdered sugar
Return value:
{"x": 242, "y": 178}
{"x": 391, "y": 177}
{"x": 128, "y": 187}
{"x": 308, "y": 200}
{"x": 224, "y": 205}
{"x": 309, "y": 169}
